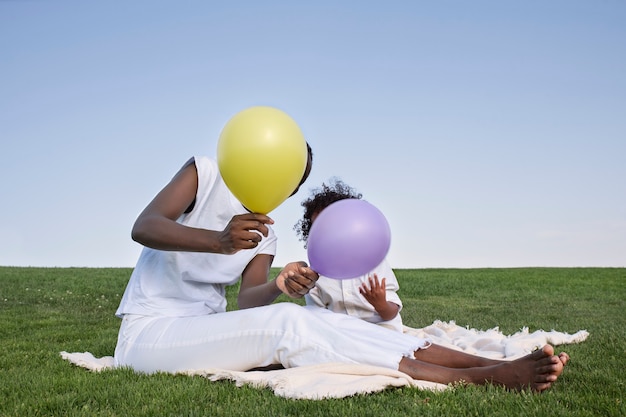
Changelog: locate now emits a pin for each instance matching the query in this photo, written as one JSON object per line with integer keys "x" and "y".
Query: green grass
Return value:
{"x": 46, "y": 310}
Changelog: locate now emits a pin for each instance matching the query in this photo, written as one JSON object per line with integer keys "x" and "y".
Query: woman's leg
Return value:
{"x": 536, "y": 371}
{"x": 288, "y": 334}
{"x": 451, "y": 358}
{"x": 282, "y": 333}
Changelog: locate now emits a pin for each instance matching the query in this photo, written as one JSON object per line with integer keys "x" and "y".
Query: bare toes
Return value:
{"x": 541, "y": 387}
{"x": 548, "y": 350}
{"x": 549, "y": 369}
{"x": 547, "y": 362}
{"x": 545, "y": 352}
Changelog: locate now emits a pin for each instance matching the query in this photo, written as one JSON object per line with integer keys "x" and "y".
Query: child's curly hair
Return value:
{"x": 321, "y": 198}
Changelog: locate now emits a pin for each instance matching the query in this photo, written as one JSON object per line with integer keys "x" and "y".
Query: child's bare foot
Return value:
{"x": 564, "y": 357}
{"x": 537, "y": 371}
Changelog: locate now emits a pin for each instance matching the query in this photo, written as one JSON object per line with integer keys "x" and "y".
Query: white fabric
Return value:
{"x": 343, "y": 296}
{"x": 281, "y": 333}
{"x": 492, "y": 343}
{"x": 169, "y": 283}
{"x": 338, "y": 380}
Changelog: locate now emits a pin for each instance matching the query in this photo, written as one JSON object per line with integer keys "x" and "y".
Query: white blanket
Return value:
{"x": 337, "y": 380}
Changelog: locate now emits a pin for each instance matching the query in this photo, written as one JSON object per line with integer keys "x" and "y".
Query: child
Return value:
{"x": 371, "y": 297}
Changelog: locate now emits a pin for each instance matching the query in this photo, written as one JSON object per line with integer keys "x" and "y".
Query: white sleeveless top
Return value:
{"x": 179, "y": 284}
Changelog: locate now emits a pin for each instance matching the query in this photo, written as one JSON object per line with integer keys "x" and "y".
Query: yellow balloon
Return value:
{"x": 262, "y": 155}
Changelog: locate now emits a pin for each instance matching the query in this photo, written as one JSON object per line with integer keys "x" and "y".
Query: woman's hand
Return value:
{"x": 243, "y": 231}
{"x": 296, "y": 279}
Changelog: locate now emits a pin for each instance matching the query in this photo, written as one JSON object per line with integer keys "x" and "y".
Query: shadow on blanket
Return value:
{"x": 332, "y": 380}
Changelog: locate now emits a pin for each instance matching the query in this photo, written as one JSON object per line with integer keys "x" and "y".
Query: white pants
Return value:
{"x": 282, "y": 333}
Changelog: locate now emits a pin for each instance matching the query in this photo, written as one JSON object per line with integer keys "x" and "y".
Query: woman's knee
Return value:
{"x": 290, "y": 313}
{"x": 289, "y": 309}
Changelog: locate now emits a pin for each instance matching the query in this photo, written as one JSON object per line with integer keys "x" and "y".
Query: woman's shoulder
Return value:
{"x": 201, "y": 160}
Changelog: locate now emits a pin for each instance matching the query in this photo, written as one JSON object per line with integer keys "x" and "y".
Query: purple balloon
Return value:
{"x": 349, "y": 238}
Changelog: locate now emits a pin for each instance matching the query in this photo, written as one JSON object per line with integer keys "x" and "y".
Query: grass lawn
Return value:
{"x": 47, "y": 310}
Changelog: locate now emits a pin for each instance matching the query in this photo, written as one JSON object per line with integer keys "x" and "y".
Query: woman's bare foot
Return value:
{"x": 537, "y": 371}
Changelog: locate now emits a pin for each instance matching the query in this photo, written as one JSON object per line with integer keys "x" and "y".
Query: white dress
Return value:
{"x": 343, "y": 296}
{"x": 174, "y": 319}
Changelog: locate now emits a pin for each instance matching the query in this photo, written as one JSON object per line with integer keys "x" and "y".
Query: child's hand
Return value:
{"x": 375, "y": 294}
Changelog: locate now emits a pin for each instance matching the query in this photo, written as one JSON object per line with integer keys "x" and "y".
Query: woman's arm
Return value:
{"x": 255, "y": 289}
{"x": 156, "y": 226}
{"x": 295, "y": 280}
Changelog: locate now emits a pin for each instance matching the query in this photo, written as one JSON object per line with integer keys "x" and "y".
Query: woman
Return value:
{"x": 198, "y": 238}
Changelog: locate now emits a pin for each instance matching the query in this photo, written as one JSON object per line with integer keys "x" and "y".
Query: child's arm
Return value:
{"x": 375, "y": 294}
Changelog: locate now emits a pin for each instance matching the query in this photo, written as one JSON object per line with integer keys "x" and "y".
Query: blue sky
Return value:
{"x": 489, "y": 133}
